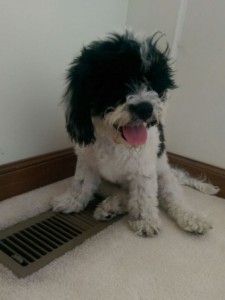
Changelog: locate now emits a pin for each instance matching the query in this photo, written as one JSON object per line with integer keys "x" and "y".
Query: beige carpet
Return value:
{"x": 116, "y": 264}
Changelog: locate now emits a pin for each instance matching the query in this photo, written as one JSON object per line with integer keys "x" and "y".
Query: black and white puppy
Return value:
{"x": 115, "y": 110}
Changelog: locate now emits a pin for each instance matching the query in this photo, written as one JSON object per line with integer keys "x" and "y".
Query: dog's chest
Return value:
{"x": 117, "y": 163}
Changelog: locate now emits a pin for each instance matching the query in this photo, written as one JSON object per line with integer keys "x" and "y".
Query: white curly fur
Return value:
{"x": 131, "y": 179}
{"x": 198, "y": 184}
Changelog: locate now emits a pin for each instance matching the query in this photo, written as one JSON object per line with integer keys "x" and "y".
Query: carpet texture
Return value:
{"x": 117, "y": 265}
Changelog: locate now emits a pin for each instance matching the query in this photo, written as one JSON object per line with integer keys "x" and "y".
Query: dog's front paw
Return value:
{"x": 193, "y": 223}
{"x": 105, "y": 211}
{"x": 103, "y": 214}
{"x": 66, "y": 203}
{"x": 145, "y": 227}
{"x": 109, "y": 208}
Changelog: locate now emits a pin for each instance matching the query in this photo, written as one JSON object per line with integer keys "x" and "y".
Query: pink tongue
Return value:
{"x": 135, "y": 135}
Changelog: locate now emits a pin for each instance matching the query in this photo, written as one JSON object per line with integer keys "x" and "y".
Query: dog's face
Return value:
{"x": 117, "y": 88}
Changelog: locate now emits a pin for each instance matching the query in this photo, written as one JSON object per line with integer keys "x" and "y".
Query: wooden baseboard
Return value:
{"x": 195, "y": 168}
{"x": 28, "y": 174}
{"x": 25, "y": 175}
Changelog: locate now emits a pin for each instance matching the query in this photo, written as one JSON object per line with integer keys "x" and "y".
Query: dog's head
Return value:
{"x": 117, "y": 87}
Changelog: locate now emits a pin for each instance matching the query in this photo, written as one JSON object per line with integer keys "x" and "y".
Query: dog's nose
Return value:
{"x": 141, "y": 110}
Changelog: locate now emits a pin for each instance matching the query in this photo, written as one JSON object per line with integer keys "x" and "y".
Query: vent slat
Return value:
{"x": 15, "y": 256}
{"x": 67, "y": 224}
{"x": 63, "y": 235}
{"x": 45, "y": 232}
{"x": 62, "y": 229}
{"x": 42, "y": 239}
{"x": 41, "y": 228}
{"x": 35, "y": 240}
{"x": 52, "y": 233}
{"x": 18, "y": 250}
{"x": 89, "y": 219}
{"x": 30, "y": 243}
{"x": 5, "y": 249}
{"x": 82, "y": 218}
{"x": 77, "y": 221}
{"x": 25, "y": 247}
{"x": 66, "y": 218}
{"x": 66, "y": 227}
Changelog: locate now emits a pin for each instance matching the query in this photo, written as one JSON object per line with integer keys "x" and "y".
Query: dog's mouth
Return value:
{"x": 135, "y": 134}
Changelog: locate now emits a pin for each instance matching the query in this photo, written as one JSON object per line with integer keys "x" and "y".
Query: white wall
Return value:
{"x": 149, "y": 16}
{"x": 195, "y": 121}
{"x": 38, "y": 39}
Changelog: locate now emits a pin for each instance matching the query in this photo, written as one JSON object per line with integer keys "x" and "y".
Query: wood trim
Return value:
{"x": 195, "y": 168}
{"x": 28, "y": 174}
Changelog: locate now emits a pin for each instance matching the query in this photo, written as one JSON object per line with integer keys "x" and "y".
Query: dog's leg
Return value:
{"x": 171, "y": 199}
{"x": 115, "y": 202}
{"x": 85, "y": 183}
{"x": 142, "y": 205}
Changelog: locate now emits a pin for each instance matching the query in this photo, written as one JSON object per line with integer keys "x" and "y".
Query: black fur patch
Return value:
{"x": 159, "y": 74}
{"x": 102, "y": 76}
{"x": 162, "y": 146}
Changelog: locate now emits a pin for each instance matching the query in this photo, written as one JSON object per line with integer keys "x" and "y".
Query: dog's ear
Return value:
{"x": 78, "y": 112}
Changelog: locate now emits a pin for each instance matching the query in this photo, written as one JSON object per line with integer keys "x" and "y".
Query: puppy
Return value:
{"x": 115, "y": 109}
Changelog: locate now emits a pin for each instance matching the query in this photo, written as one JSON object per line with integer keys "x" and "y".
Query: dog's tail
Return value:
{"x": 200, "y": 184}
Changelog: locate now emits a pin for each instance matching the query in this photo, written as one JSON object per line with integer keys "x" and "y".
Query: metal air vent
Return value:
{"x": 30, "y": 245}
